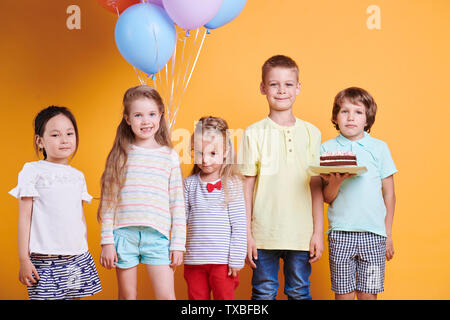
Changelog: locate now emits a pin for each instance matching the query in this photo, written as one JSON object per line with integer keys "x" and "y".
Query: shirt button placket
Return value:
{"x": 289, "y": 143}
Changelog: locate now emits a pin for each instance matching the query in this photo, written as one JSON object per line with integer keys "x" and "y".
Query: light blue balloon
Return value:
{"x": 146, "y": 37}
{"x": 229, "y": 10}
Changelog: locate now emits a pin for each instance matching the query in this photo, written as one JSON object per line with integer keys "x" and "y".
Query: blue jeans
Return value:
{"x": 297, "y": 270}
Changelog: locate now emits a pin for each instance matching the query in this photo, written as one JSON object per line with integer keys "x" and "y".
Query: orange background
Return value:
{"x": 405, "y": 65}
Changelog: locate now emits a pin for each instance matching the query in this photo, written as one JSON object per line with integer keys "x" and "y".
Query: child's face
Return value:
{"x": 209, "y": 154}
{"x": 281, "y": 88}
{"x": 144, "y": 118}
{"x": 59, "y": 139}
{"x": 351, "y": 120}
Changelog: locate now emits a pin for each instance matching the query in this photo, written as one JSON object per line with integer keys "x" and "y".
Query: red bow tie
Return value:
{"x": 210, "y": 187}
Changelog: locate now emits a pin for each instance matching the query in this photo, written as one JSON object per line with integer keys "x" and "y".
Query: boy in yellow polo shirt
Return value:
{"x": 284, "y": 203}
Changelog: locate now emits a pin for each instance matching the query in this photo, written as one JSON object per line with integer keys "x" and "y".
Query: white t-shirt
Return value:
{"x": 58, "y": 225}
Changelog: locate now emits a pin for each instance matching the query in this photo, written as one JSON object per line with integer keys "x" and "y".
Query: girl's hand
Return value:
{"x": 389, "y": 248}
{"x": 26, "y": 272}
{"x": 316, "y": 247}
{"x": 176, "y": 257}
{"x": 252, "y": 252}
{"x": 233, "y": 272}
{"x": 108, "y": 256}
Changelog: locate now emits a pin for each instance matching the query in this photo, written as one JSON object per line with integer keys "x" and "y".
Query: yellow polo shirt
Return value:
{"x": 279, "y": 157}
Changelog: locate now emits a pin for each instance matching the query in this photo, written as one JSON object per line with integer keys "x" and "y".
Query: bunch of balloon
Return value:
{"x": 162, "y": 40}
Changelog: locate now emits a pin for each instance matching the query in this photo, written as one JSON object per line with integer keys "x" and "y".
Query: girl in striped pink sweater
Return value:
{"x": 141, "y": 210}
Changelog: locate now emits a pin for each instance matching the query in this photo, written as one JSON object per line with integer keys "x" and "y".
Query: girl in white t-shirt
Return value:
{"x": 55, "y": 262}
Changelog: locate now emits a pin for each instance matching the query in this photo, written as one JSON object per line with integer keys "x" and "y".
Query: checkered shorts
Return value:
{"x": 357, "y": 261}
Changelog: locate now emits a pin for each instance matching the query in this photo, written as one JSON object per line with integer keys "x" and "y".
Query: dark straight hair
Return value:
{"x": 40, "y": 121}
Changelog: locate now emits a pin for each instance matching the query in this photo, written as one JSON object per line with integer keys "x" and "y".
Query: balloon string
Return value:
{"x": 178, "y": 72}
{"x": 186, "y": 69}
{"x": 169, "y": 100}
{"x": 195, "y": 61}
{"x": 156, "y": 43}
{"x": 166, "y": 90}
{"x": 189, "y": 78}
{"x": 181, "y": 63}
{"x": 167, "y": 76}
{"x": 139, "y": 77}
{"x": 190, "y": 57}
{"x": 166, "y": 94}
{"x": 174, "y": 57}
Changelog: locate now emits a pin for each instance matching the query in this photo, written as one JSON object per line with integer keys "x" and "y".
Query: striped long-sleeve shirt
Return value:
{"x": 152, "y": 195}
{"x": 217, "y": 234}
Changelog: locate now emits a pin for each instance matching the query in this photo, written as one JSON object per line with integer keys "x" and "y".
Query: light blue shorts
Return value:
{"x": 136, "y": 245}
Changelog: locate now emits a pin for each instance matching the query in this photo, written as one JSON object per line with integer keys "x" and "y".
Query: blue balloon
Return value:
{"x": 146, "y": 37}
{"x": 229, "y": 10}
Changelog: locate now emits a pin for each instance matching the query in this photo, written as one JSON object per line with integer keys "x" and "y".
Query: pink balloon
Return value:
{"x": 191, "y": 14}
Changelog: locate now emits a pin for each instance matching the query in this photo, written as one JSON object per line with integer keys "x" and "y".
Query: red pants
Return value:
{"x": 204, "y": 278}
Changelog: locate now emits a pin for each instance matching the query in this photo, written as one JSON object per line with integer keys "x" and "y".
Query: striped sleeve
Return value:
{"x": 238, "y": 222}
{"x": 177, "y": 207}
{"x": 187, "y": 206}
{"x": 107, "y": 225}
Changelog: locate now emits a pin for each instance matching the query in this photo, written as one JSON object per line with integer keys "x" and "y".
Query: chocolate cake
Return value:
{"x": 338, "y": 158}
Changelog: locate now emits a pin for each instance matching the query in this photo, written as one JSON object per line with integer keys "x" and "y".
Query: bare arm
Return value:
{"x": 316, "y": 244}
{"x": 249, "y": 187}
{"x": 24, "y": 226}
{"x": 331, "y": 184}
{"x": 23, "y": 238}
{"x": 389, "y": 201}
{"x": 317, "y": 203}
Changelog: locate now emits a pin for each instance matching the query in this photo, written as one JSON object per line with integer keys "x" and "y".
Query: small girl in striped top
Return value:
{"x": 215, "y": 209}
{"x": 142, "y": 207}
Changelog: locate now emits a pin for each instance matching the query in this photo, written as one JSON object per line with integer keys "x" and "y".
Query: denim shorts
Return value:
{"x": 136, "y": 245}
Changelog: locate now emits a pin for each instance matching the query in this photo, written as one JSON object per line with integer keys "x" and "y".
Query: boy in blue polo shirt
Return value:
{"x": 361, "y": 208}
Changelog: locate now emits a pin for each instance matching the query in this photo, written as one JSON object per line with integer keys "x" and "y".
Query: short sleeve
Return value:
{"x": 248, "y": 155}
{"x": 387, "y": 165}
{"x": 85, "y": 196}
{"x": 26, "y": 186}
{"x": 315, "y": 147}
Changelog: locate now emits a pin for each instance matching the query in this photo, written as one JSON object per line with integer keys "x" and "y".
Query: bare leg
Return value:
{"x": 366, "y": 296}
{"x": 163, "y": 281}
{"x": 127, "y": 280}
{"x": 345, "y": 296}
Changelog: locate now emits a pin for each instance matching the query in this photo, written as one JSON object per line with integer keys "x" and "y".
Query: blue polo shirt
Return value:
{"x": 359, "y": 205}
